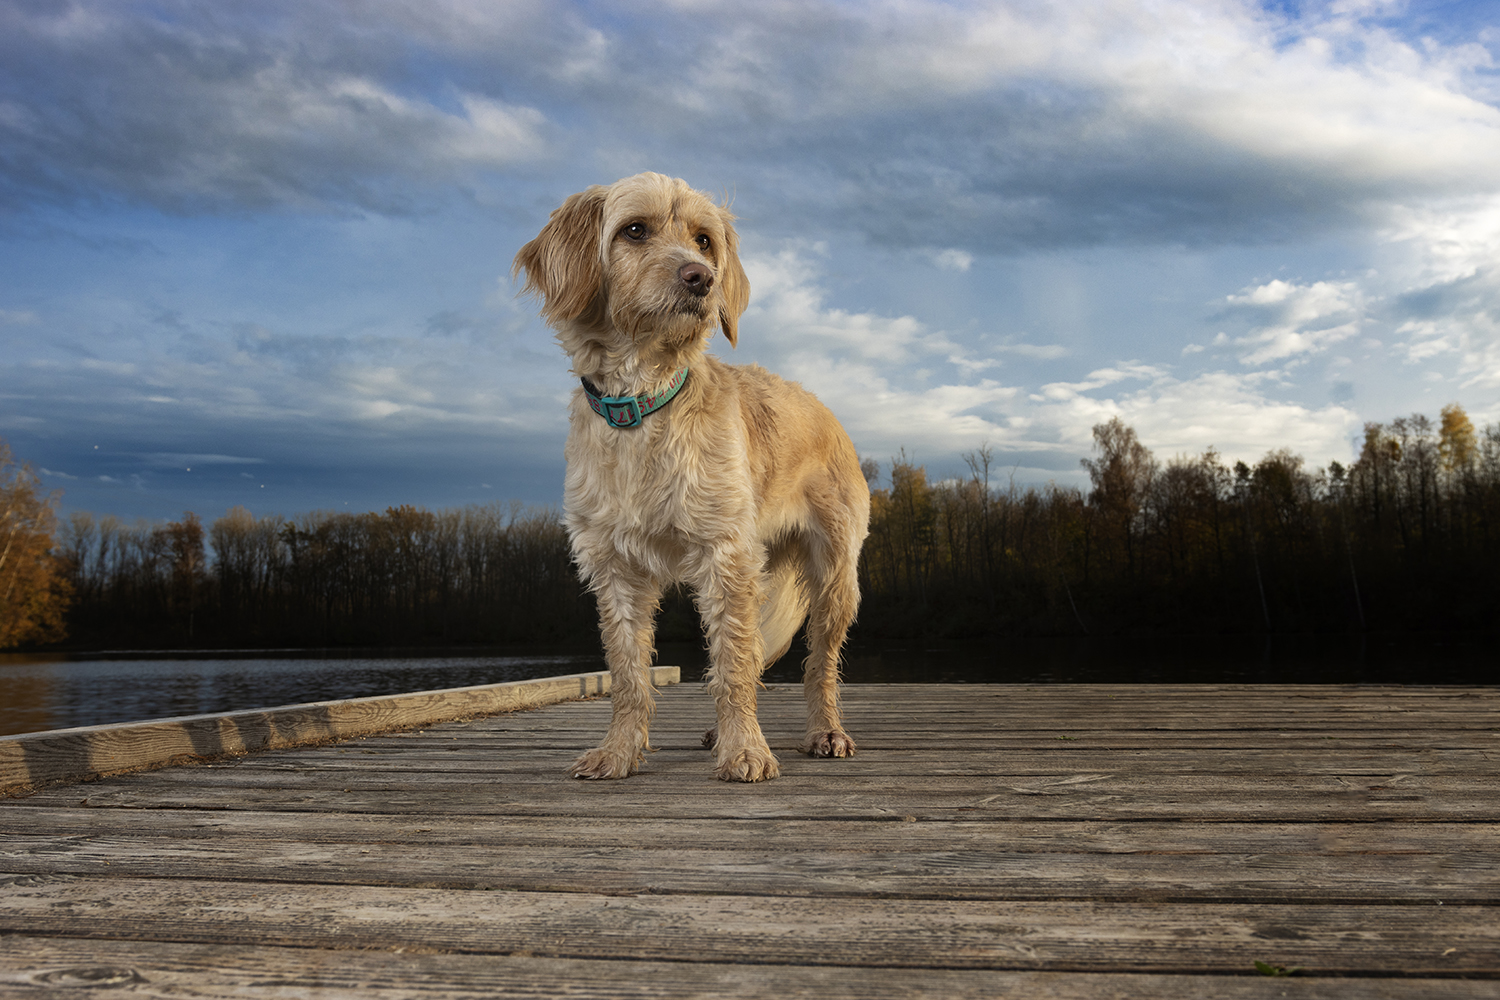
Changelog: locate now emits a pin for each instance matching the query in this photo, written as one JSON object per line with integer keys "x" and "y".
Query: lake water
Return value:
{"x": 56, "y": 692}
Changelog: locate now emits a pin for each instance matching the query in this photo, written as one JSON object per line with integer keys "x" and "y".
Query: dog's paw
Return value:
{"x": 602, "y": 763}
{"x": 749, "y": 764}
{"x": 833, "y": 743}
{"x": 710, "y": 738}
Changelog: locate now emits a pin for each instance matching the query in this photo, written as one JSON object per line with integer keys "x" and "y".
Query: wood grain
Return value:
{"x": 994, "y": 871}
{"x": 656, "y": 795}
{"x": 804, "y": 930}
{"x": 245, "y": 830}
{"x": 31, "y": 966}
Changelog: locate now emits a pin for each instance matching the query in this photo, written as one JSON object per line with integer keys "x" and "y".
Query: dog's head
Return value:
{"x": 645, "y": 259}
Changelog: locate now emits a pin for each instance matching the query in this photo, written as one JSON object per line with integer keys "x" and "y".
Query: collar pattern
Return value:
{"x": 627, "y": 411}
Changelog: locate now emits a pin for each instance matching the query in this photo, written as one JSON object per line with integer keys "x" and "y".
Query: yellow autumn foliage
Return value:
{"x": 34, "y": 590}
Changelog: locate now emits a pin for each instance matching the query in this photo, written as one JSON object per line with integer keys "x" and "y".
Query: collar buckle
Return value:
{"x": 625, "y": 412}
{"x": 621, "y": 411}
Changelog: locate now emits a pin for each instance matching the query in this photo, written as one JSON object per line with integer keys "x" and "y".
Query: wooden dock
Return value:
{"x": 1066, "y": 841}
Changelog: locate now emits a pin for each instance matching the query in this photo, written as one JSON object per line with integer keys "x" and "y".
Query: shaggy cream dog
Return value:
{"x": 684, "y": 469}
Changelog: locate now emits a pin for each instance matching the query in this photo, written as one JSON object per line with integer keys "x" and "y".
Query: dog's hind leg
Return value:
{"x": 627, "y": 623}
{"x": 835, "y": 600}
{"x": 783, "y": 609}
{"x": 728, "y": 597}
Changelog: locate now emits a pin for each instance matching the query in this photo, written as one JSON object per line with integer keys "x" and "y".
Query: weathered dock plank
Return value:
{"x": 809, "y": 929}
{"x": 33, "y": 759}
{"x": 238, "y": 972}
{"x": 890, "y": 871}
{"x": 1066, "y": 841}
{"x": 869, "y": 799}
{"x": 72, "y": 827}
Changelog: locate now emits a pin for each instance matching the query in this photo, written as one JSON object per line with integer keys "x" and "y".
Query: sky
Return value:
{"x": 258, "y": 253}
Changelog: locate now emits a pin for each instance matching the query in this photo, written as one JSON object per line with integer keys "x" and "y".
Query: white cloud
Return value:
{"x": 1036, "y": 352}
{"x": 1335, "y": 94}
{"x": 787, "y": 310}
{"x": 1425, "y": 339}
{"x": 1296, "y": 319}
{"x": 951, "y": 259}
{"x": 874, "y": 389}
{"x": 1236, "y": 414}
{"x": 1098, "y": 379}
{"x": 499, "y": 133}
{"x": 1450, "y": 239}
{"x": 1449, "y": 300}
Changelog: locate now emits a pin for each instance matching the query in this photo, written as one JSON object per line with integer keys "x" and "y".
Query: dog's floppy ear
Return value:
{"x": 734, "y": 286}
{"x": 563, "y": 263}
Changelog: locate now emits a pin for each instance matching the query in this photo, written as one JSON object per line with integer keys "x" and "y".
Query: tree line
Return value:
{"x": 480, "y": 574}
{"x": 1407, "y": 537}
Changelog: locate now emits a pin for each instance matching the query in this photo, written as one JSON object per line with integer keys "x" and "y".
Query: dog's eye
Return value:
{"x": 704, "y": 243}
{"x": 635, "y": 231}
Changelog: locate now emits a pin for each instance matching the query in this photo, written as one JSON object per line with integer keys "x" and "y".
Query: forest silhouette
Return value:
{"x": 1406, "y": 538}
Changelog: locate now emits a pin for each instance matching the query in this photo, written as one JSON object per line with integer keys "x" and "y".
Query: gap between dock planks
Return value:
{"x": 31, "y": 760}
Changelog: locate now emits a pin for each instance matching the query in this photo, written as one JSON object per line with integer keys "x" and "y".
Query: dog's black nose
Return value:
{"x": 698, "y": 278}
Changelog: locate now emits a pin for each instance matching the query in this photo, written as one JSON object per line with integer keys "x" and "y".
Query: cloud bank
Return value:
{"x": 278, "y": 231}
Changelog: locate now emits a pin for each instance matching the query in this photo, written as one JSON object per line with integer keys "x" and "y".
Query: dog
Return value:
{"x": 683, "y": 469}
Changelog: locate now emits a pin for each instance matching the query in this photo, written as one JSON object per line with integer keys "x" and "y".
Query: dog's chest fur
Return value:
{"x": 661, "y": 494}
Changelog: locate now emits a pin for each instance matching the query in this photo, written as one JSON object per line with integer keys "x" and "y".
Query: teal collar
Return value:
{"x": 627, "y": 411}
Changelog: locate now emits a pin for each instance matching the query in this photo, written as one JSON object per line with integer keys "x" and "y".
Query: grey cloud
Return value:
{"x": 301, "y": 350}
{"x": 891, "y": 122}
{"x": 1474, "y": 293}
{"x": 241, "y": 106}
{"x": 475, "y": 330}
{"x": 997, "y": 186}
{"x": 306, "y": 462}
{"x": 175, "y": 458}
{"x": 448, "y": 323}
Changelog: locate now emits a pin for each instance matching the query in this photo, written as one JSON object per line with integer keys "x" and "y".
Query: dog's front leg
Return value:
{"x": 729, "y": 603}
{"x": 627, "y": 612}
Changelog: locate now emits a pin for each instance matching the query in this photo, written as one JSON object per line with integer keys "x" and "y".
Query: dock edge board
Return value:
{"x": 31, "y": 760}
